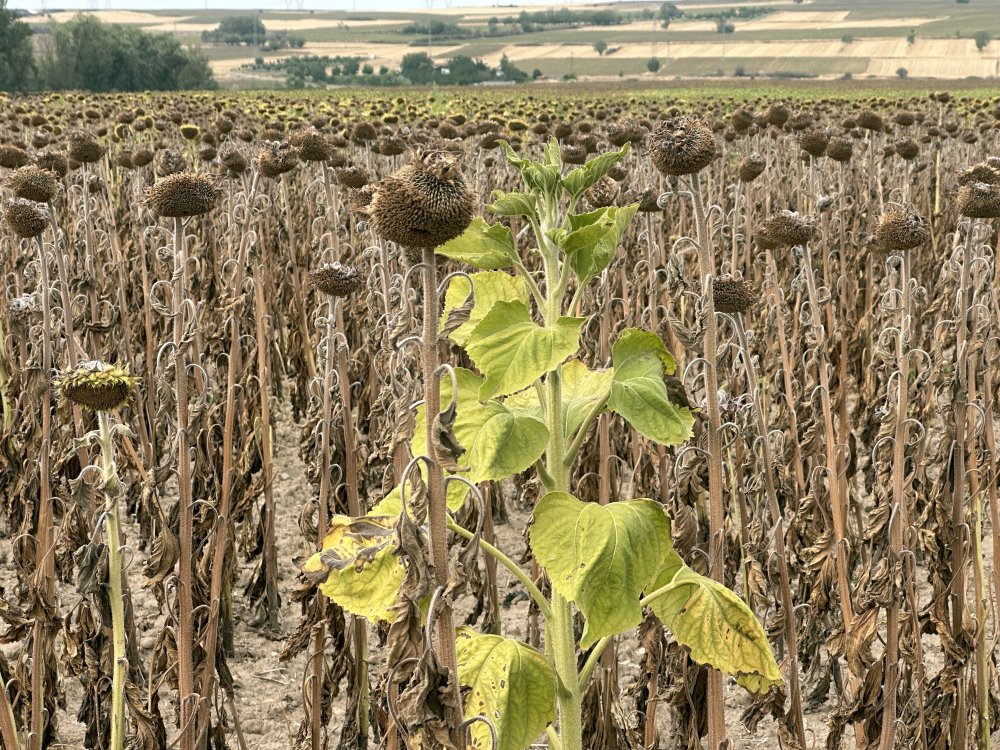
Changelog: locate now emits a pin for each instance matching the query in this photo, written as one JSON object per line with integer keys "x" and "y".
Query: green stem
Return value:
{"x": 512, "y": 566}
{"x": 109, "y": 477}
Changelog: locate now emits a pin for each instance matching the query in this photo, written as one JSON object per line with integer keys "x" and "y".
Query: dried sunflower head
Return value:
{"x": 751, "y": 167}
{"x": 733, "y": 295}
{"x": 55, "y": 162}
{"x": 335, "y": 279}
{"x": 425, "y": 203}
{"x": 682, "y": 145}
{"x": 12, "y": 157}
{"x": 233, "y": 161}
{"x": 84, "y": 147}
{"x": 275, "y": 158}
{"x": 34, "y": 183}
{"x": 312, "y": 145}
{"x": 900, "y": 230}
{"x": 785, "y": 229}
{"x": 96, "y": 386}
{"x": 979, "y": 200}
{"x": 25, "y": 218}
{"x": 982, "y": 172}
{"x": 840, "y": 148}
{"x": 184, "y": 194}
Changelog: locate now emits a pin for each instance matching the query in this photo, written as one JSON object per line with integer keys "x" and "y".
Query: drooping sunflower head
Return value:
{"x": 336, "y": 280}
{"x": 96, "y": 386}
{"x": 682, "y": 145}
{"x": 733, "y": 295}
{"x": 425, "y": 203}
{"x": 900, "y": 230}
{"x": 25, "y": 218}
{"x": 183, "y": 194}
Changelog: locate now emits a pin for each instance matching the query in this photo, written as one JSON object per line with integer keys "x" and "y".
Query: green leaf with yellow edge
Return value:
{"x": 491, "y": 287}
{"x": 601, "y": 556}
{"x": 717, "y": 627}
{"x": 582, "y": 391}
{"x": 481, "y": 245}
{"x": 357, "y": 567}
{"x": 498, "y": 442}
{"x": 510, "y": 684}
{"x": 513, "y": 351}
{"x": 638, "y": 392}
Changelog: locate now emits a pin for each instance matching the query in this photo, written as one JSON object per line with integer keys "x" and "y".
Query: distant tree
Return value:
{"x": 669, "y": 10}
{"x": 982, "y": 40}
{"x": 600, "y": 46}
{"x": 510, "y": 72}
{"x": 653, "y": 64}
{"x": 911, "y": 37}
{"x": 536, "y": 74}
{"x": 417, "y": 67}
{"x": 367, "y": 69}
{"x": 902, "y": 72}
{"x": 17, "y": 59}
{"x": 724, "y": 26}
{"x": 962, "y": 2}
{"x": 740, "y": 72}
{"x": 237, "y": 30}
{"x": 847, "y": 38}
{"x": 665, "y": 24}
{"x": 84, "y": 53}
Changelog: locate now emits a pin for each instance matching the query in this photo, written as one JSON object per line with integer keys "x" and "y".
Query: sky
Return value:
{"x": 271, "y": 5}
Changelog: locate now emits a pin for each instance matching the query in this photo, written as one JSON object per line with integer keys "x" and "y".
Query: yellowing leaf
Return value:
{"x": 638, "y": 392}
{"x": 601, "y": 556}
{"x": 362, "y": 572}
{"x": 513, "y": 351}
{"x": 510, "y": 684}
{"x": 715, "y": 624}
{"x": 498, "y": 442}
{"x": 491, "y": 287}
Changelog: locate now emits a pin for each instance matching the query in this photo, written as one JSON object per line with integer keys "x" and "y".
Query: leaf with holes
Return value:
{"x": 601, "y": 556}
{"x": 510, "y": 684}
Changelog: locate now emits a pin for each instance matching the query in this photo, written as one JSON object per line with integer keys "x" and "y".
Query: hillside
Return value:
{"x": 814, "y": 38}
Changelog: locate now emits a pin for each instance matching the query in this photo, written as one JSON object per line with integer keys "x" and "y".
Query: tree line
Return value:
{"x": 87, "y": 54}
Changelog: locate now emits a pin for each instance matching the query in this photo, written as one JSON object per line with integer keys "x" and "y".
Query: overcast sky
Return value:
{"x": 360, "y": 5}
